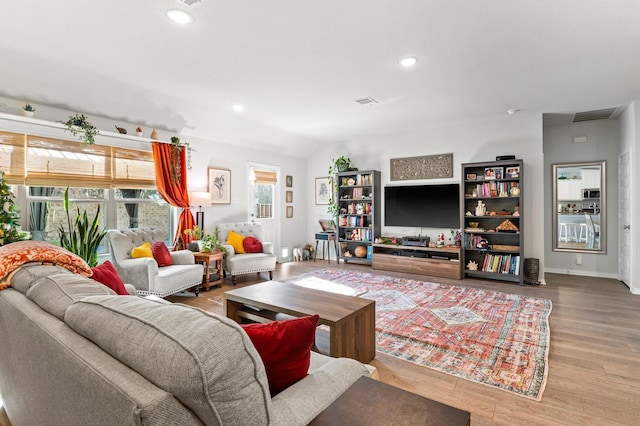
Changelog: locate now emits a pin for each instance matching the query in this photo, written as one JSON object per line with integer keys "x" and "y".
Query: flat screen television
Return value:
{"x": 428, "y": 206}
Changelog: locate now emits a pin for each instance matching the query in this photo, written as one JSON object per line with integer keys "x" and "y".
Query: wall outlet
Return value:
{"x": 579, "y": 260}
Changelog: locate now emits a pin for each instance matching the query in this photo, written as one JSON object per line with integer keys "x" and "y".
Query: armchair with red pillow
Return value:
{"x": 245, "y": 249}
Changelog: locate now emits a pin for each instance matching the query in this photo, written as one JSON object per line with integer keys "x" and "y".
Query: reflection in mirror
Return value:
{"x": 579, "y": 207}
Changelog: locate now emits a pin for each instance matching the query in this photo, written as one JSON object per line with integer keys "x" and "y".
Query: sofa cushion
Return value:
{"x": 284, "y": 347}
{"x": 14, "y": 255}
{"x": 54, "y": 293}
{"x": 143, "y": 250}
{"x": 252, "y": 245}
{"x": 235, "y": 240}
{"x": 106, "y": 274}
{"x": 161, "y": 254}
{"x": 205, "y": 360}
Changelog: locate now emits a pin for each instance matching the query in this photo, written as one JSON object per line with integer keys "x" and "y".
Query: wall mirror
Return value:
{"x": 579, "y": 207}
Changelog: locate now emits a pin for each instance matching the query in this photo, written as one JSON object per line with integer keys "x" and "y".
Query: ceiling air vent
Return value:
{"x": 191, "y": 2}
{"x": 366, "y": 101}
{"x": 599, "y": 114}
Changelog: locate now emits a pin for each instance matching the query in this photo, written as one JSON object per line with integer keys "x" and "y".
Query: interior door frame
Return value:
{"x": 277, "y": 217}
{"x": 625, "y": 215}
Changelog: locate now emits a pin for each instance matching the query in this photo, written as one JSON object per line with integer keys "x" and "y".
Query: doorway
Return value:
{"x": 264, "y": 190}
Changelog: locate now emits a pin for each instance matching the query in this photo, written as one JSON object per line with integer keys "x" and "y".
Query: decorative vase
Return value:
{"x": 28, "y": 113}
{"x": 139, "y": 134}
{"x": 154, "y": 134}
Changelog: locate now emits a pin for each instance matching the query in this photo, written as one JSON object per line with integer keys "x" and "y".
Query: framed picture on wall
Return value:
{"x": 289, "y": 181}
{"x": 219, "y": 185}
{"x": 323, "y": 190}
{"x": 289, "y": 196}
{"x": 289, "y": 211}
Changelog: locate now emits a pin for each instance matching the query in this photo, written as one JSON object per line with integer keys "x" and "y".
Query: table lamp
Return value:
{"x": 199, "y": 199}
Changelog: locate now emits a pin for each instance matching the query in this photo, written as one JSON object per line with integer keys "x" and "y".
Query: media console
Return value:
{"x": 435, "y": 261}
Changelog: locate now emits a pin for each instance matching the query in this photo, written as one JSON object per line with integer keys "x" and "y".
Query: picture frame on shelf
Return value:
{"x": 219, "y": 185}
{"x": 289, "y": 181}
{"x": 472, "y": 176}
{"x": 357, "y": 193}
{"x": 289, "y": 212}
{"x": 512, "y": 172}
{"x": 492, "y": 173}
{"x": 323, "y": 190}
{"x": 289, "y": 196}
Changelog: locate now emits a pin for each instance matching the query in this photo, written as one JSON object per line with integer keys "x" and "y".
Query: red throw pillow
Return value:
{"x": 161, "y": 254}
{"x": 252, "y": 245}
{"x": 106, "y": 274}
{"x": 284, "y": 347}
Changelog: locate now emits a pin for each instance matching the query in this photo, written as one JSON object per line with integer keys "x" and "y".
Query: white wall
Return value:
{"x": 602, "y": 144}
{"x": 520, "y": 135}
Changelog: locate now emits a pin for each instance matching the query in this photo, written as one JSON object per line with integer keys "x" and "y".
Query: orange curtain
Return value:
{"x": 173, "y": 188}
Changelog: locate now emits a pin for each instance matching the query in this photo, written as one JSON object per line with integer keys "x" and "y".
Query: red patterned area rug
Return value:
{"x": 497, "y": 339}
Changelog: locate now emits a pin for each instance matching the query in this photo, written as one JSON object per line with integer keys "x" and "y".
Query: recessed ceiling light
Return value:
{"x": 513, "y": 111}
{"x": 179, "y": 16}
{"x": 238, "y": 108}
{"x": 409, "y": 61}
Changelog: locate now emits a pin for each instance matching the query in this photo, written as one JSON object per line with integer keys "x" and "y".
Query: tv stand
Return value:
{"x": 441, "y": 262}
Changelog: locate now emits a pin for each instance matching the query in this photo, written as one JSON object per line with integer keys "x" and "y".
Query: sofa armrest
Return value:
{"x": 182, "y": 257}
{"x": 131, "y": 289}
{"x": 228, "y": 250}
{"x": 139, "y": 272}
{"x": 304, "y": 400}
{"x": 267, "y": 248}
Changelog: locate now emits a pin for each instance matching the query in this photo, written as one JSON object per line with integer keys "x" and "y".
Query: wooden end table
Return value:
{"x": 369, "y": 402}
{"x": 351, "y": 320}
{"x": 206, "y": 259}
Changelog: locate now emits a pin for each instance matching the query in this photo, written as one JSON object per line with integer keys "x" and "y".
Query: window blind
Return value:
{"x": 39, "y": 161}
{"x": 265, "y": 177}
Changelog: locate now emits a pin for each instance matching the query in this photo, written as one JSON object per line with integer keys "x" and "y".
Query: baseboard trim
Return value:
{"x": 581, "y": 273}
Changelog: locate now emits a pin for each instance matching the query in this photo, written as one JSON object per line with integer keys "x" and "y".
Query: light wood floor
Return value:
{"x": 594, "y": 360}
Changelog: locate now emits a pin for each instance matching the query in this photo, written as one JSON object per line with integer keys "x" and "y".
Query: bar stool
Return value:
{"x": 583, "y": 233}
{"x": 568, "y": 232}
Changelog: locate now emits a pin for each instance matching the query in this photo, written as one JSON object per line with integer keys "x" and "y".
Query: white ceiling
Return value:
{"x": 298, "y": 66}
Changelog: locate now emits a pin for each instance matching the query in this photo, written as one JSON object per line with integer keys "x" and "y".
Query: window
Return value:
{"x": 120, "y": 181}
{"x": 264, "y": 184}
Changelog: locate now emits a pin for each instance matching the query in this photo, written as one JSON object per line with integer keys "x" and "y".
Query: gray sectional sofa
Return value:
{"x": 74, "y": 353}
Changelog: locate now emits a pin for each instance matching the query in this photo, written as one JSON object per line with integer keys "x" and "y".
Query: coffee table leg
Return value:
{"x": 231, "y": 309}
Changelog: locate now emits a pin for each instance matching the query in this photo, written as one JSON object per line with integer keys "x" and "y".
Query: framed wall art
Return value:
{"x": 219, "y": 185}
{"x": 289, "y": 181}
{"x": 323, "y": 190}
{"x": 289, "y": 212}
{"x": 289, "y": 196}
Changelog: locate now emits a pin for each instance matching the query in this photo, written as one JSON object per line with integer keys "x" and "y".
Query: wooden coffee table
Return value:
{"x": 369, "y": 402}
{"x": 351, "y": 320}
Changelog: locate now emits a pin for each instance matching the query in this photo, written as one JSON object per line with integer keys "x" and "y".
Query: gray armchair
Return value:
{"x": 246, "y": 263}
{"x": 144, "y": 273}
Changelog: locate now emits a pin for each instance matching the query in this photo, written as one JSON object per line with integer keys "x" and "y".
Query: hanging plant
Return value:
{"x": 340, "y": 164}
{"x": 79, "y": 126}
{"x": 176, "y": 149}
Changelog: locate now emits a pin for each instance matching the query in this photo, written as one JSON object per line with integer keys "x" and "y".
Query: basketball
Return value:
{"x": 361, "y": 251}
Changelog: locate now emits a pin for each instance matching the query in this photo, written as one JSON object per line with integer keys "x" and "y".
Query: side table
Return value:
{"x": 206, "y": 259}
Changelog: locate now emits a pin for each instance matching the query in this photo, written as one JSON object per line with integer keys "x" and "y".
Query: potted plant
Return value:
{"x": 79, "y": 125}
{"x": 28, "y": 110}
{"x": 212, "y": 242}
{"x": 196, "y": 233}
{"x": 340, "y": 164}
{"x": 82, "y": 236}
{"x": 138, "y": 131}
